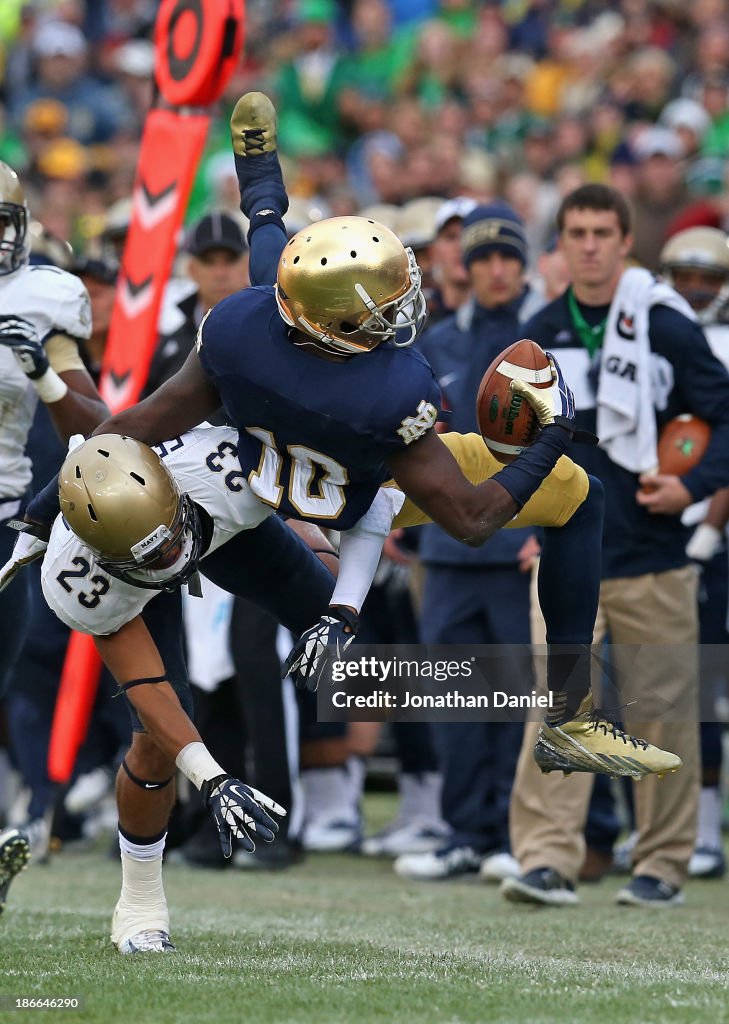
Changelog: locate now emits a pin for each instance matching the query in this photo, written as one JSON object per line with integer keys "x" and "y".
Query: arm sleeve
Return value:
{"x": 360, "y": 549}
{"x": 44, "y": 506}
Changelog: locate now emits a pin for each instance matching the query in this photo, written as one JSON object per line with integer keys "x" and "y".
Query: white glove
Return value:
{"x": 704, "y": 543}
{"x": 27, "y": 549}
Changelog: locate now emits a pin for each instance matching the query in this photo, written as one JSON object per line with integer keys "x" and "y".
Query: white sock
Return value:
{"x": 708, "y": 833}
{"x": 420, "y": 798}
{"x": 331, "y": 794}
{"x": 142, "y": 904}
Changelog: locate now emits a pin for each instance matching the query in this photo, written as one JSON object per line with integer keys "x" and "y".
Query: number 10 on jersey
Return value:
{"x": 316, "y": 481}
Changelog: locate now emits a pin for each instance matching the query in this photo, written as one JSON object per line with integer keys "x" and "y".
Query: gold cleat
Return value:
{"x": 591, "y": 743}
{"x": 253, "y": 125}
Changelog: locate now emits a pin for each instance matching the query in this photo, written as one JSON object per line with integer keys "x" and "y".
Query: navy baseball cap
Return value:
{"x": 493, "y": 227}
{"x": 216, "y": 231}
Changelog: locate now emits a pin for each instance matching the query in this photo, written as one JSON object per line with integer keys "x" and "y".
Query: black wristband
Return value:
{"x": 345, "y": 615}
{"x": 210, "y": 784}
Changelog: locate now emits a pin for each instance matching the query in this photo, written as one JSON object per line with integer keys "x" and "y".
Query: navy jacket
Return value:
{"x": 460, "y": 349}
{"x": 636, "y": 542}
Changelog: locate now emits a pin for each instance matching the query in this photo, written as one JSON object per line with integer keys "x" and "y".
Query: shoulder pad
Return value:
{"x": 54, "y": 301}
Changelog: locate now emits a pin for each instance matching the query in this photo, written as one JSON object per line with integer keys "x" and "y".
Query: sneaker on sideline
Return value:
{"x": 451, "y": 861}
{"x": 647, "y": 891}
{"x": 543, "y": 886}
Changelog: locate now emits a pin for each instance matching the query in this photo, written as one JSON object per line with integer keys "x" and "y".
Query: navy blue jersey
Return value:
{"x": 314, "y": 434}
{"x": 634, "y": 541}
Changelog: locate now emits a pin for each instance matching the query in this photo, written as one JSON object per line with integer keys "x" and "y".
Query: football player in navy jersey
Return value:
{"x": 330, "y": 403}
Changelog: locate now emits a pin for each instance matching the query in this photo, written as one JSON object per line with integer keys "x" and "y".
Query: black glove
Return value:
{"x": 238, "y": 810}
{"x": 20, "y": 335}
{"x": 324, "y": 642}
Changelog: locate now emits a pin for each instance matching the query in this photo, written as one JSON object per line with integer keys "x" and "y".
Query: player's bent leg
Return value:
{"x": 274, "y": 569}
{"x": 14, "y": 855}
{"x": 569, "y": 505}
{"x": 576, "y": 736}
{"x": 553, "y": 504}
{"x": 145, "y": 795}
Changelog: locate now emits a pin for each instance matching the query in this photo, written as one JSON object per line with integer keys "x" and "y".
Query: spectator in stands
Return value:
{"x": 660, "y": 194}
{"x": 217, "y": 267}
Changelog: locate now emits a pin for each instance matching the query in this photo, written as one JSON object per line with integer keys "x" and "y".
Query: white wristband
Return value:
{"x": 50, "y": 387}
{"x": 198, "y": 764}
{"x": 704, "y": 543}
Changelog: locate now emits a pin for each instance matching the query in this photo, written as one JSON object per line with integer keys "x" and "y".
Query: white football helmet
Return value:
{"x": 705, "y": 250}
{"x": 14, "y": 247}
{"x": 349, "y": 283}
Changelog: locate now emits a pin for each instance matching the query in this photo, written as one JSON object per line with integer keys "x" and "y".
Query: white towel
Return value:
{"x": 627, "y": 390}
{"x": 207, "y": 632}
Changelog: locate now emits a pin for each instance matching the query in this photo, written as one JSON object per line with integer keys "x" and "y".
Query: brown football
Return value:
{"x": 682, "y": 444}
{"x": 507, "y": 422}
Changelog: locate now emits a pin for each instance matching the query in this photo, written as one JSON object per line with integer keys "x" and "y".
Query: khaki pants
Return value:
{"x": 548, "y": 812}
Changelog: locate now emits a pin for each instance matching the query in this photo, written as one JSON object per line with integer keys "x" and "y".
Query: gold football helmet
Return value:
{"x": 349, "y": 283}
{"x": 120, "y": 499}
{"x": 705, "y": 250}
{"x": 14, "y": 248}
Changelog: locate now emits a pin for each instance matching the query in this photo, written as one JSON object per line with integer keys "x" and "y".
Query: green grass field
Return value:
{"x": 341, "y": 939}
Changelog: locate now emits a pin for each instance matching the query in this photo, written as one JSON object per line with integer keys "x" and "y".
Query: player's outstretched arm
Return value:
{"x": 430, "y": 476}
{"x": 427, "y": 472}
{"x": 238, "y": 810}
{"x": 131, "y": 654}
{"x": 178, "y": 405}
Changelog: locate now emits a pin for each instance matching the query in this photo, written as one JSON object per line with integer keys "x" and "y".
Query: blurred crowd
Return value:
{"x": 416, "y": 112}
{"x": 382, "y": 102}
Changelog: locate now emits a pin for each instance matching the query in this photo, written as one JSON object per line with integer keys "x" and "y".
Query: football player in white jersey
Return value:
{"x": 696, "y": 263}
{"x": 135, "y": 522}
{"x": 44, "y": 314}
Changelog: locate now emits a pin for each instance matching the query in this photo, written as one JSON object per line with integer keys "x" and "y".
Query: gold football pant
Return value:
{"x": 553, "y": 504}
